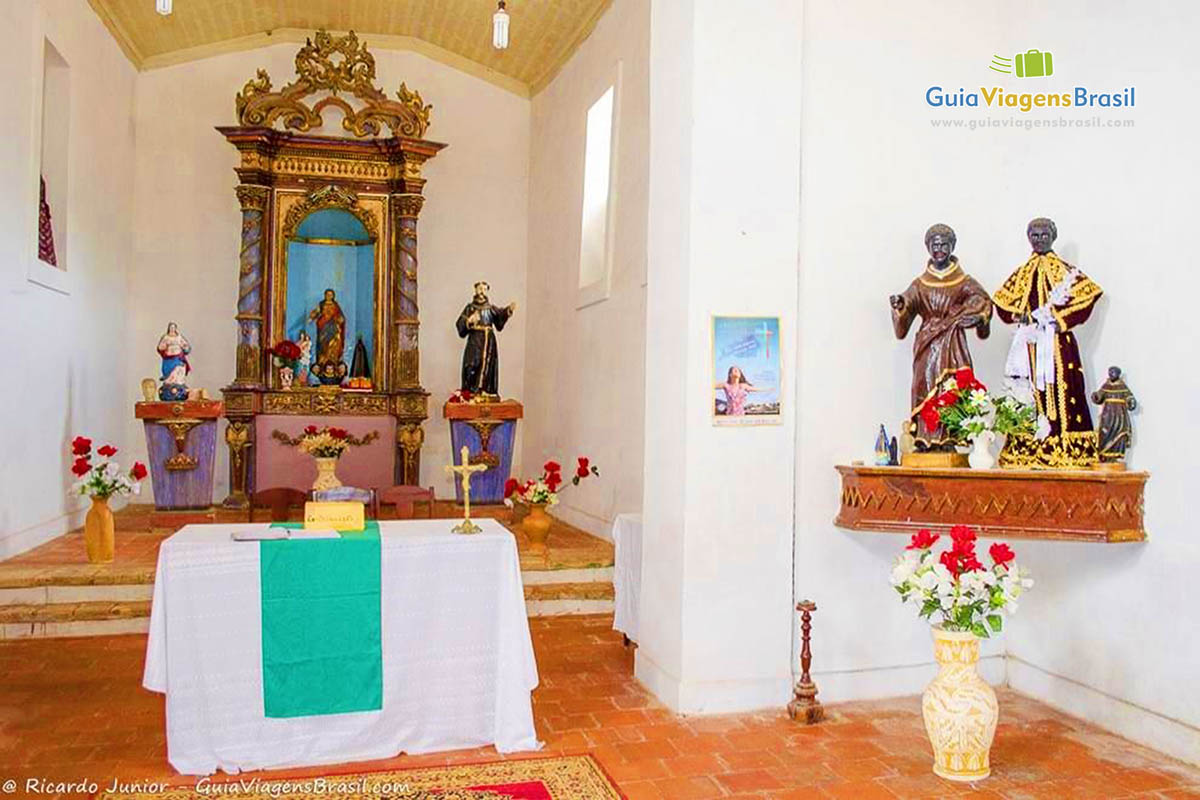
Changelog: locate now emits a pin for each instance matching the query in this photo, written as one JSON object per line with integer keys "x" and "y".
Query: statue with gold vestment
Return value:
{"x": 1047, "y": 298}
{"x": 949, "y": 302}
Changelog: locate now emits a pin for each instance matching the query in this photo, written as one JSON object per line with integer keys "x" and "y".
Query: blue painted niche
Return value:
{"x": 332, "y": 250}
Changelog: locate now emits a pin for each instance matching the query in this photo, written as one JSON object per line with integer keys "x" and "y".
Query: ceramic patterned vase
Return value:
{"x": 960, "y": 709}
{"x": 98, "y": 532}
{"x": 326, "y": 474}
{"x": 537, "y": 525}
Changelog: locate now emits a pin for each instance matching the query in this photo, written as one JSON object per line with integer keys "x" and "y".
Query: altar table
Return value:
{"x": 458, "y": 664}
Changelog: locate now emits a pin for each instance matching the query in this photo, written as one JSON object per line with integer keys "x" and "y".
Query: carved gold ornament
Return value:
{"x": 179, "y": 429}
{"x": 329, "y": 196}
{"x": 333, "y": 64}
{"x": 253, "y": 197}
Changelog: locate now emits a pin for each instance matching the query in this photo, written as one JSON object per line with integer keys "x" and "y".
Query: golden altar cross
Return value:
{"x": 465, "y": 471}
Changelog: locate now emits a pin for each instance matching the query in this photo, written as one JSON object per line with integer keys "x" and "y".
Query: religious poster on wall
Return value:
{"x": 746, "y": 371}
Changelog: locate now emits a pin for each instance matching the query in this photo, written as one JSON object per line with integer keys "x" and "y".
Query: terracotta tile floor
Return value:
{"x": 72, "y": 709}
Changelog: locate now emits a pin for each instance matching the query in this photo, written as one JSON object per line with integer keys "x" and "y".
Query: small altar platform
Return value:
{"x": 1078, "y": 505}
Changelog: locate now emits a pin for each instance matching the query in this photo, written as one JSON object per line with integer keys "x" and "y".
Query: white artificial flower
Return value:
{"x": 1019, "y": 389}
{"x": 901, "y": 572}
{"x": 1043, "y": 428}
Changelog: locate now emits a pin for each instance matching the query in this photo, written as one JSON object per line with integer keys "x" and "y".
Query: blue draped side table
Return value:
{"x": 488, "y": 430}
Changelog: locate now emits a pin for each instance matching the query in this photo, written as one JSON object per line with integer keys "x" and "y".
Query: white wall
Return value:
{"x": 715, "y": 617}
{"x": 1115, "y": 623}
{"x": 64, "y": 352}
{"x": 187, "y": 220}
{"x": 584, "y": 379}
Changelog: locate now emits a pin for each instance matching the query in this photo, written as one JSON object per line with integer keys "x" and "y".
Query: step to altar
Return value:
{"x": 58, "y": 610}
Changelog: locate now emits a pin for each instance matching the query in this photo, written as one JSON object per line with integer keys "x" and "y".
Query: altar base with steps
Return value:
{"x": 52, "y": 591}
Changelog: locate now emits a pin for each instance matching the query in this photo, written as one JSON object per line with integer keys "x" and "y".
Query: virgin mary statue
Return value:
{"x": 173, "y": 349}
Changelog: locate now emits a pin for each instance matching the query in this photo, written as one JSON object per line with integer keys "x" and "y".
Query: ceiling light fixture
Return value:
{"x": 499, "y": 26}
{"x": 162, "y": 6}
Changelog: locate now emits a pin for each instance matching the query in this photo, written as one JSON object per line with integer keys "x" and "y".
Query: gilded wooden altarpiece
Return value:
{"x": 289, "y": 172}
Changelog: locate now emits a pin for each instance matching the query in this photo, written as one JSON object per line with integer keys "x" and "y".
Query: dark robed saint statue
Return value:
{"x": 949, "y": 302}
{"x": 478, "y": 324}
{"x": 1116, "y": 428}
{"x": 1047, "y": 298}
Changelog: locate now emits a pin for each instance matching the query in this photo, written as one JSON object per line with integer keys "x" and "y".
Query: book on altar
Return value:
{"x": 259, "y": 535}
{"x": 272, "y": 534}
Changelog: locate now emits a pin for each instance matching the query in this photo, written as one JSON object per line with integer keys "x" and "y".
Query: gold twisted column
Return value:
{"x": 254, "y": 201}
{"x": 407, "y": 362}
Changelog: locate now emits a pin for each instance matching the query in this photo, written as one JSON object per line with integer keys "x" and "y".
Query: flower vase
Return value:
{"x": 959, "y": 708}
{"x": 98, "y": 533}
{"x": 326, "y": 474}
{"x": 536, "y": 525}
{"x": 981, "y": 456}
{"x": 286, "y": 376}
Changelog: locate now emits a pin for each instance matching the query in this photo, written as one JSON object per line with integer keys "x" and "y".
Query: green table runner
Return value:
{"x": 321, "y": 651}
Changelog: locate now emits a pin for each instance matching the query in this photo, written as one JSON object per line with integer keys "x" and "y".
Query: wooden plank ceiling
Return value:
{"x": 543, "y": 33}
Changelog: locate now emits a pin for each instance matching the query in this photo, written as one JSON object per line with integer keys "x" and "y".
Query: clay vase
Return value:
{"x": 960, "y": 709}
{"x": 98, "y": 533}
{"x": 326, "y": 474}
{"x": 537, "y": 526}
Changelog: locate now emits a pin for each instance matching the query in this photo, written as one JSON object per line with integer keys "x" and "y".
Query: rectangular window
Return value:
{"x": 53, "y": 162}
{"x": 594, "y": 249}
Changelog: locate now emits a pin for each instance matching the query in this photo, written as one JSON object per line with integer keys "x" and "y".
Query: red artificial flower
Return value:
{"x": 930, "y": 416}
{"x": 971, "y": 564}
{"x": 286, "y": 350}
{"x": 81, "y": 446}
{"x": 553, "y": 481}
{"x": 311, "y": 430}
{"x": 338, "y": 433}
{"x": 923, "y": 540}
{"x": 962, "y": 533}
{"x": 510, "y": 487}
{"x": 584, "y": 462}
{"x": 946, "y": 399}
{"x": 965, "y": 379}
{"x": 1001, "y": 554}
{"x": 108, "y": 451}
{"x": 950, "y": 562}
{"x": 81, "y": 467}
{"x": 138, "y": 471}
{"x": 552, "y": 466}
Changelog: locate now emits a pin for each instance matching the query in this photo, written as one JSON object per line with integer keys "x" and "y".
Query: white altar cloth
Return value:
{"x": 458, "y": 664}
{"x": 627, "y": 573}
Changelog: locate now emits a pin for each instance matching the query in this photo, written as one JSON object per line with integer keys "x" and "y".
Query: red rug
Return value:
{"x": 563, "y": 778}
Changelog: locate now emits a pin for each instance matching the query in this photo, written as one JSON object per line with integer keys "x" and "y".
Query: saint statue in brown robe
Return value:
{"x": 949, "y": 303}
{"x": 1047, "y": 299}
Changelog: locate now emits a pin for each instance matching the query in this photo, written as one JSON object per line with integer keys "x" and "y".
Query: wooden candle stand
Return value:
{"x": 804, "y": 706}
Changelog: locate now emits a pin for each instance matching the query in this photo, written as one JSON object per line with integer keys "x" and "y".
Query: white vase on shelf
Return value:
{"x": 981, "y": 456}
